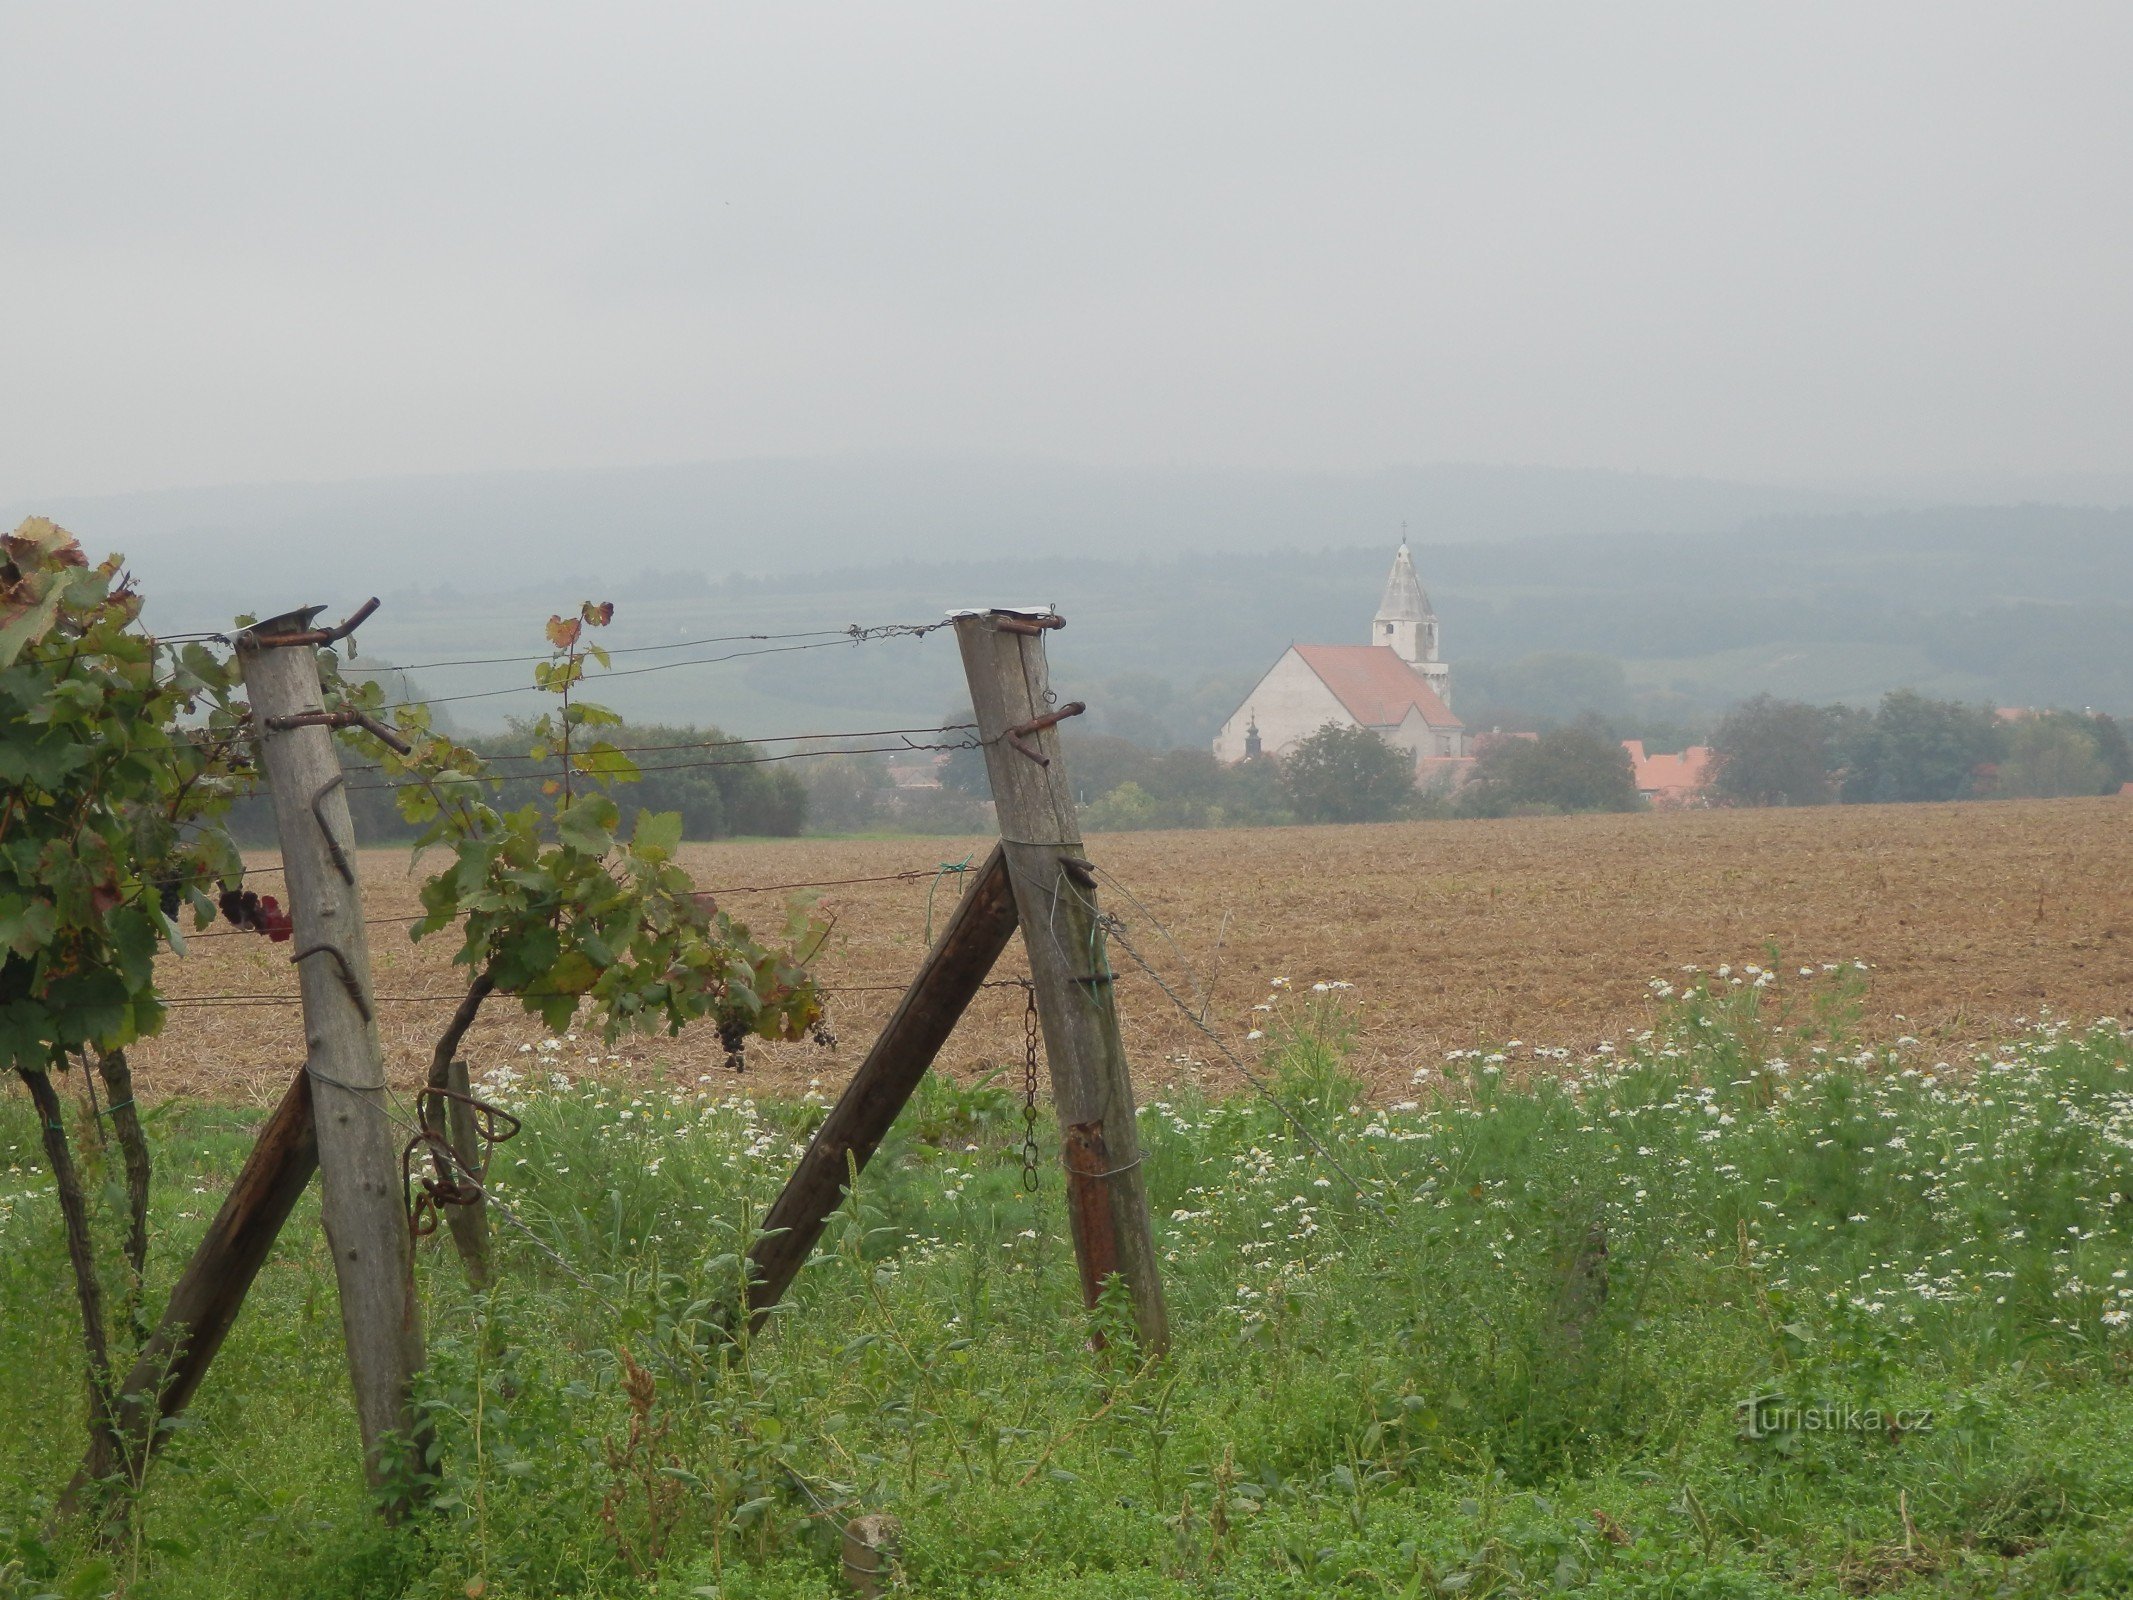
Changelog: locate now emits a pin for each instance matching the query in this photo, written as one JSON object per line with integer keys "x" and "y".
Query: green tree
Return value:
{"x": 2050, "y": 756}
{"x": 1180, "y": 788}
{"x": 1914, "y": 748}
{"x": 1125, "y": 809}
{"x": 1578, "y": 767}
{"x": 1771, "y": 752}
{"x": 964, "y": 770}
{"x": 1347, "y": 775}
{"x": 1096, "y": 764}
{"x": 846, "y": 793}
{"x": 1252, "y": 795}
{"x": 2112, "y": 747}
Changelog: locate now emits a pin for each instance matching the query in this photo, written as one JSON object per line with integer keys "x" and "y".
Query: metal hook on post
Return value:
{"x": 348, "y": 977}
{"x": 1015, "y": 735}
{"x": 346, "y": 717}
{"x": 333, "y": 845}
{"x": 1029, "y": 625}
{"x": 303, "y": 633}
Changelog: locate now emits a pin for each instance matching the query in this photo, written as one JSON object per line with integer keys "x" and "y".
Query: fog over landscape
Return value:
{"x": 1122, "y": 801}
{"x": 1766, "y": 311}
{"x": 1823, "y": 243}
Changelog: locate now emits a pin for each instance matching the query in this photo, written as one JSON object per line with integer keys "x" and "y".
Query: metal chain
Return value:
{"x": 1029, "y": 1089}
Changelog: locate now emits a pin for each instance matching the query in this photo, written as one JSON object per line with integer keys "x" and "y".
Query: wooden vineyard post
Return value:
{"x": 358, "y": 1152}
{"x": 211, "y": 1290}
{"x": 1055, "y": 900}
{"x": 977, "y": 931}
{"x": 469, "y": 1223}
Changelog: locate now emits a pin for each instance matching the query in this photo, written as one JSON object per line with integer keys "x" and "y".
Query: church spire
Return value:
{"x": 1407, "y": 626}
{"x": 1405, "y": 599}
{"x": 1404, "y": 621}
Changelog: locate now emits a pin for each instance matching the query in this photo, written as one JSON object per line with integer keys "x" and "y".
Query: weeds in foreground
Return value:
{"x": 1738, "y": 1308}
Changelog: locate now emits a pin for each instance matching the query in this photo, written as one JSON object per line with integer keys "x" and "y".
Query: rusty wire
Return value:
{"x": 690, "y": 766}
{"x": 449, "y": 1182}
{"x": 515, "y": 994}
{"x": 618, "y": 650}
{"x": 908, "y": 875}
{"x": 854, "y": 635}
{"x": 725, "y": 744}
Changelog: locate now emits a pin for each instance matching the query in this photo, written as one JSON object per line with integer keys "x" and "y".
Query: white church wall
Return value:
{"x": 1290, "y": 704}
{"x": 1413, "y": 735}
{"x": 1422, "y": 741}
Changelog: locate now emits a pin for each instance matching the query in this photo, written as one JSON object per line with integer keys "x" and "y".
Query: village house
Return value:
{"x": 1671, "y": 782}
{"x": 1397, "y": 685}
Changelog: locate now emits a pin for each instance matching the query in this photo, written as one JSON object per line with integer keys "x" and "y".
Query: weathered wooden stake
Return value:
{"x": 977, "y": 931}
{"x": 469, "y": 1223}
{"x": 869, "y": 1548}
{"x": 1055, "y": 900}
{"x": 211, "y": 1289}
{"x": 358, "y": 1151}
{"x": 455, "y": 1121}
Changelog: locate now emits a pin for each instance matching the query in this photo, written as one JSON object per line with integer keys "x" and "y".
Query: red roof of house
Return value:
{"x": 1682, "y": 774}
{"x": 1374, "y": 685}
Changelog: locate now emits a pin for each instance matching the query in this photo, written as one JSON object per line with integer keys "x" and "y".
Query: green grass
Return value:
{"x": 1530, "y": 1372}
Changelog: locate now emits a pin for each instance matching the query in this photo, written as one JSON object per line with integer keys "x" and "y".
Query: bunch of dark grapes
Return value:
{"x": 733, "y": 1035}
{"x": 257, "y": 913}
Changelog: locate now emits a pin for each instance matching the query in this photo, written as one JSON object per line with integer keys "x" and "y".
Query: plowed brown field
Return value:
{"x": 1453, "y": 934}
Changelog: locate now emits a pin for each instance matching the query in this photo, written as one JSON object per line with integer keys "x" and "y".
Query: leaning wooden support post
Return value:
{"x": 1055, "y": 898}
{"x": 358, "y": 1151}
{"x": 977, "y": 932}
{"x": 447, "y": 1112}
{"x": 211, "y": 1290}
{"x": 469, "y": 1223}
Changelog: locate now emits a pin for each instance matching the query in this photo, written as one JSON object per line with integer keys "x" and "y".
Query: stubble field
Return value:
{"x": 1453, "y": 935}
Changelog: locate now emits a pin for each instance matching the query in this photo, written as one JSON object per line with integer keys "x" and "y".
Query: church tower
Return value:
{"x": 1407, "y": 625}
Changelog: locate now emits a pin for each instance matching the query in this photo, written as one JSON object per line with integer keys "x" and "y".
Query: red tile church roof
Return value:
{"x": 1374, "y": 685}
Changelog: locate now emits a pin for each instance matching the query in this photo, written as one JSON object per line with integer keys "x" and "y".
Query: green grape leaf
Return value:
{"x": 657, "y": 836}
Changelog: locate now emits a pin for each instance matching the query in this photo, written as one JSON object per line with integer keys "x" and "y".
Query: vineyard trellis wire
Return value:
{"x": 1038, "y": 882}
{"x": 733, "y": 761}
{"x": 766, "y": 738}
{"x": 928, "y": 875}
{"x": 292, "y": 717}
{"x": 856, "y": 634}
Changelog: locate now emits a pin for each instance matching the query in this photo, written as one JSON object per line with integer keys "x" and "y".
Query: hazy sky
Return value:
{"x": 1791, "y": 242}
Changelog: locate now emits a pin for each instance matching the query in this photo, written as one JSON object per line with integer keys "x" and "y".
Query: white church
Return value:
{"x": 1397, "y": 685}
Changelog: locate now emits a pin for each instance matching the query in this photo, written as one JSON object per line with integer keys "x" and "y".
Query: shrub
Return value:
{"x": 2054, "y": 755}
{"x": 1913, "y": 748}
{"x": 1771, "y": 752}
{"x": 1581, "y": 767}
{"x": 1347, "y": 775}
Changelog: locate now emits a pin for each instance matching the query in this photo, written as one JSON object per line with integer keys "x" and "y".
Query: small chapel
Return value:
{"x": 1397, "y": 685}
